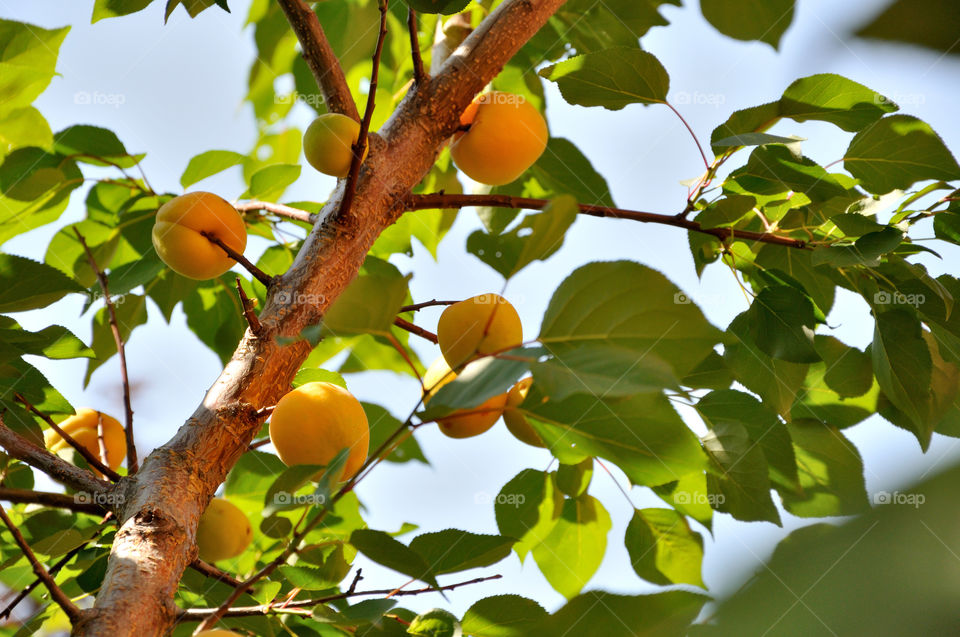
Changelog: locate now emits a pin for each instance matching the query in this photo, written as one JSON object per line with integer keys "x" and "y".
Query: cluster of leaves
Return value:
{"x": 620, "y": 345}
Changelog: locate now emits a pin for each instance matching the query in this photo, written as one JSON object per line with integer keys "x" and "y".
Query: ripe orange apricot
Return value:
{"x": 467, "y": 424}
{"x": 177, "y": 238}
{"x": 312, "y": 423}
{"x": 478, "y": 326}
{"x": 507, "y": 135}
{"x": 515, "y": 420}
{"x": 82, "y": 427}
{"x": 223, "y": 532}
{"x": 328, "y": 143}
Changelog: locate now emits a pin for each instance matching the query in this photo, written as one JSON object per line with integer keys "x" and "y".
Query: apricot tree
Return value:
{"x": 412, "y": 91}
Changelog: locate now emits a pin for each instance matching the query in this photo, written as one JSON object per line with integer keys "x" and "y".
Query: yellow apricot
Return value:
{"x": 328, "y": 143}
{"x": 478, "y": 326}
{"x": 507, "y": 135}
{"x": 224, "y": 531}
{"x": 83, "y": 428}
{"x": 515, "y": 420}
{"x": 177, "y": 238}
{"x": 312, "y": 423}
{"x": 473, "y": 421}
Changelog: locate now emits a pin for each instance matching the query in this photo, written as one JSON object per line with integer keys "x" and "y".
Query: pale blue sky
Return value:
{"x": 181, "y": 88}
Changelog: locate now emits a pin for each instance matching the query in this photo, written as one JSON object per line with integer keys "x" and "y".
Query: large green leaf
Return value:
{"x": 797, "y": 264}
{"x": 600, "y": 613}
{"x": 93, "y": 145}
{"x": 209, "y": 163}
{"x": 784, "y": 320}
{"x": 897, "y": 152}
{"x": 612, "y": 78}
{"x": 370, "y": 303}
{"x": 775, "y": 169}
{"x": 627, "y": 305}
{"x": 479, "y": 381}
{"x": 602, "y": 371}
{"x": 763, "y": 20}
{"x": 453, "y": 550}
{"x": 572, "y": 551}
{"x": 28, "y": 285}
{"x": 28, "y": 60}
{"x": 527, "y": 508}
{"x": 502, "y": 616}
{"x": 54, "y": 342}
{"x": 386, "y": 551}
{"x": 214, "y": 314}
{"x": 113, "y": 8}
{"x": 739, "y": 480}
{"x": 902, "y": 364}
{"x": 382, "y": 424}
{"x": 24, "y": 127}
{"x": 663, "y": 549}
{"x": 755, "y": 119}
{"x": 928, "y": 23}
{"x": 833, "y": 98}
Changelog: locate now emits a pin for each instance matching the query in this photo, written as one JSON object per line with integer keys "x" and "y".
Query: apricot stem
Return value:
{"x": 415, "y": 329}
{"x": 255, "y": 326}
{"x": 257, "y": 273}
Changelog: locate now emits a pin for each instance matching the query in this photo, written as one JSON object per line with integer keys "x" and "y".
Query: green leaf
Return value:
{"x": 214, "y": 314}
{"x": 563, "y": 169}
{"x": 642, "y": 435}
{"x": 897, "y": 152}
{"x": 711, "y": 373}
{"x": 783, "y": 320}
{"x": 370, "y": 303}
{"x": 755, "y": 119}
{"x": 435, "y": 623}
{"x": 386, "y": 551}
{"x": 28, "y": 285}
{"x": 928, "y": 23}
{"x": 755, "y": 139}
{"x": 28, "y": 60}
{"x": 477, "y": 383}
{"x": 866, "y": 250}
{"x": 946, "y": 226}
{"x": 612, "y": 78}
{"x": 453, "y": 550}
{"x": 131, "y": 313}
{"x": 775, "y": 169}
{"x": 574, "y": 479}
{"x": 503, "y": 616}
{"x": 445, "y": 7}
{"x": 382, "y": 425}
{"x": 831, "y": 473}
{"x": 269, "y": 183}
{"x": 740, "y": 478}
{"x": 209, "y": 163}
{"x": 666, "y": 614}
{"x": 763, "y": 20}
{"x": 537, "y": 237}
{"x": 833, "y": 98}
{"x": 849, "y": 371}
{"x": 903, "y": 366}
{"x": 314, "y": 375}
{"x": 94, "y": 145}
{"x": 572, "y": 551}
{"x": 55, "y": 341}
{"x": 308, "y": 578}
{"x": 30, "y": 174}
{"x": 663, "y": 548}
{"x": 625, "y": 304}
{"x": 114, "y": 8}
{"x": 527, "y": 508}
{"x": 603, "y": 371}
{"x": 24, "y": 127}
{"x": 252, "y": 475}
{"x": 799, "y": 265}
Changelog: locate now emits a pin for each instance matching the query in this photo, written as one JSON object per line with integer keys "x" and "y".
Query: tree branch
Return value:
{"x": 132, "y": 464}
{"x": 92, "y": 459}
{"x": 442, "y": 200}
{"x": 49, "y": 499}
{"x": 56, "y": 594}
{"x": 197, "y": 614}
{"x": 213, "y": 572}
{"x": 415, "y": 329}
{"x": 320, "y": 57}
{"x": 416, "y": 307}
{"x": 248, "y": 312}
{"x": 20, "y": 448}
{"x": 419, "y": 75}
{"x": 278, "y": 209}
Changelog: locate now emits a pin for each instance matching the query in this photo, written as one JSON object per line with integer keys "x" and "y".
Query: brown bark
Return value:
{"x": 162, "y": 503}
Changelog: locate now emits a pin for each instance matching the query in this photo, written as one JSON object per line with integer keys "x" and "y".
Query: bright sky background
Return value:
{"x": 177, "y": 90}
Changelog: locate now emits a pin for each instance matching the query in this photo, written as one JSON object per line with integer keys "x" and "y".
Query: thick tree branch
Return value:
{"x": 197, "y": 614}
{"x": 320, "y": 57}
{"x": 278, "y": 209}
{"x": 56, "y": 594}
{"x": 20, "y": 448}
{"x": 442, "y": 200}
{"x": 49, "y": 499}
{"x": 164, "y": 500}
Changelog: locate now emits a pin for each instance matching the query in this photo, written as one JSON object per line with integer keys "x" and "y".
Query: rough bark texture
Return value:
{"x": 163, "y": 502}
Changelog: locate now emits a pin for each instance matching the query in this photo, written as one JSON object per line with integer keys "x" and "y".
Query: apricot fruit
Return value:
{"x": 82, "y": 427}
{"x": 328, "y": 143}
{"x": 478, "y": 326}
{"x": 312, "y": 423}
{"x": 515, "y": 420}
{"x": 507, "y": 135}
{"x": 224, "y": 531}
{"x": 177, "y": 238}
{"x": 463, "y": 423}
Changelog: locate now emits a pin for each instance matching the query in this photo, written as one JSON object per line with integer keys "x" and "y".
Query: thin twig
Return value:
{"x": 213, "y": 572}
{"x": 443, "y": 200}
{"x": 196, "y": 614}
{"x": 132, "y": 463}
{"x": 256, "y": 444}
{"x": 248, "y": 312}
{"x": 72, "y": 612}
{"x": 419, "y": 75}
{"x": 50, "y": 499}
{"x": 257, "y": 273}
{"x": 415, "y": 329}
{"x": 350, "y": 189}
{"x": 419, "y": 306}
{"x": 88, "y": 455}
{"x": 406, "y": 357}
{"x": 278, "y": 209}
